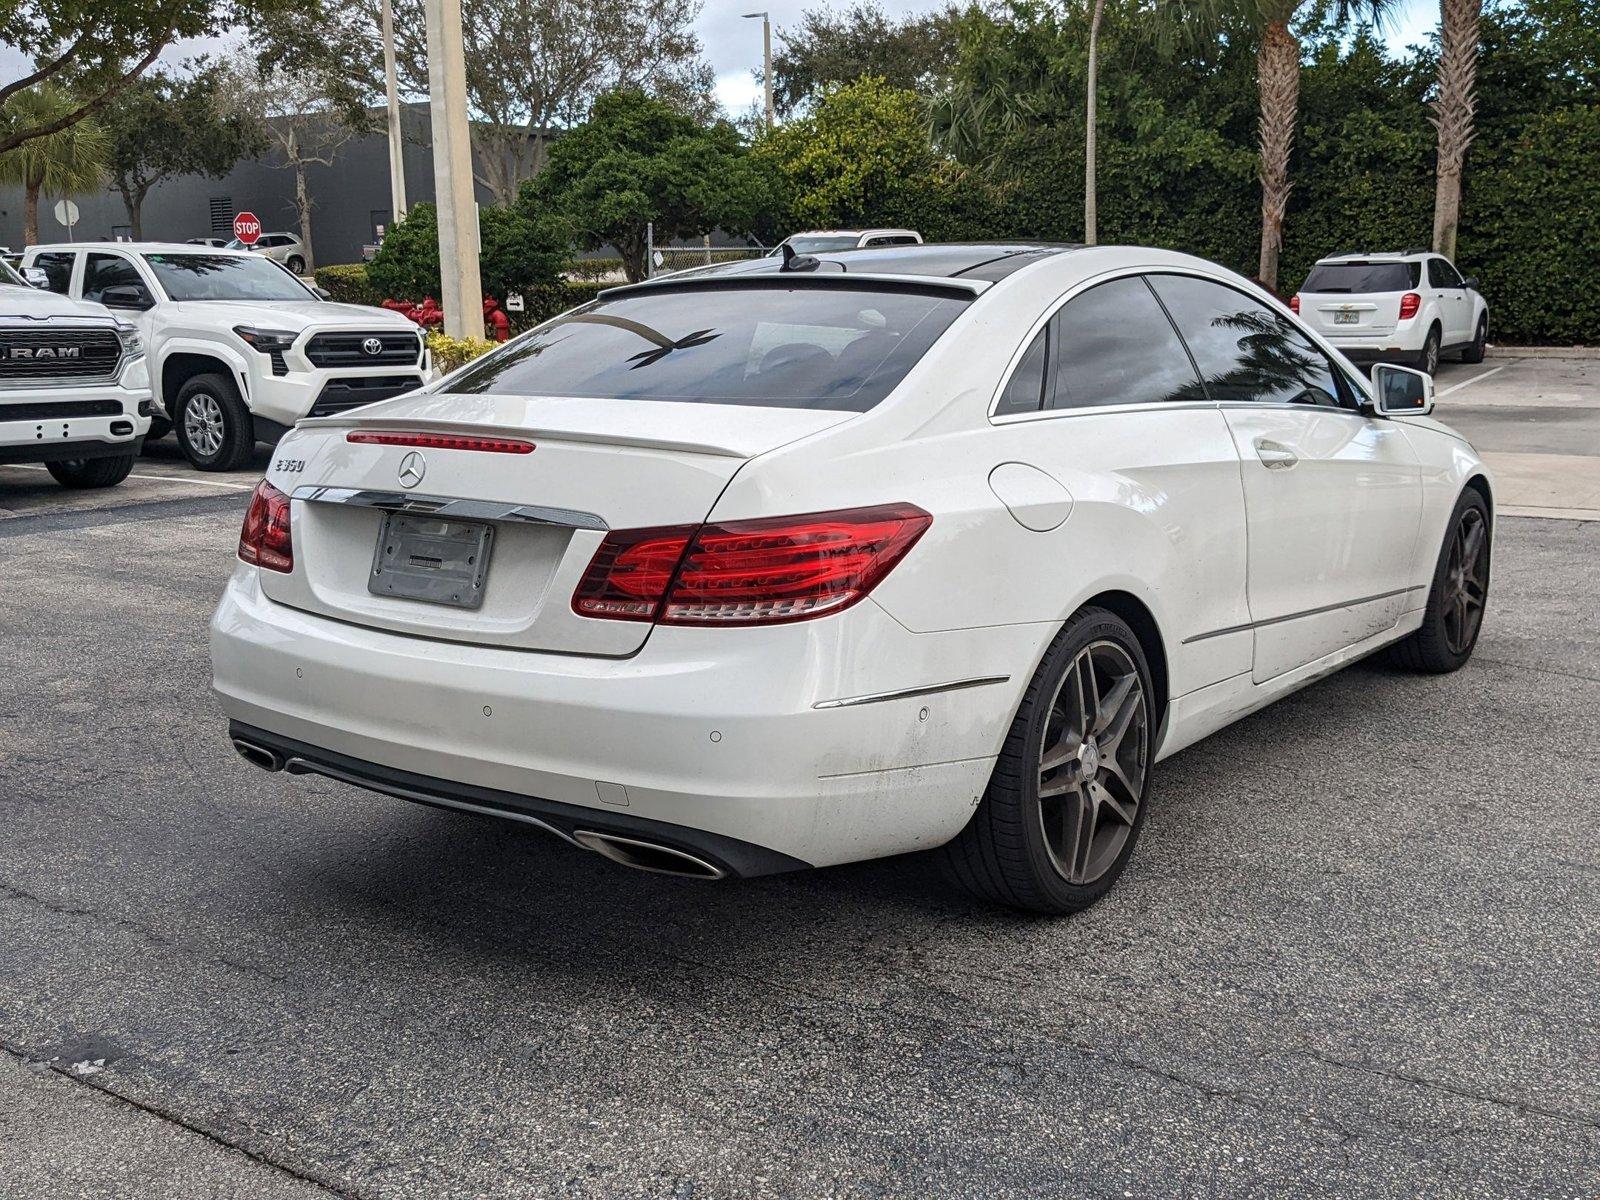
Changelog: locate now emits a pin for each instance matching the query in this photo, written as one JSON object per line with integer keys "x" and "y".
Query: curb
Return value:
{"x": 1543, "y": 352}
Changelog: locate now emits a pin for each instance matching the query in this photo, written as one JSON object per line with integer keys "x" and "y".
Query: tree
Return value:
{"x": 163, "y": 125}
{"x": 522, "y": 252}
{"x": 65, "y": 163}
{"x": 639, "y": 161}
{"x": 306, "y": 112}
{"x": 1090, "y": 197}
{"x": 101, "y": 46}
{"x": 1453, "y": 108}
{"x": 536, "y": 66}
{"x": 830, "y": 48}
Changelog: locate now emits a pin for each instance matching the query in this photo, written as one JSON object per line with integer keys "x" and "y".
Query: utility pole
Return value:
{"x": 397, "y": 156}
{"x": 766, "y": 59}
{"x": 452, "y": 172}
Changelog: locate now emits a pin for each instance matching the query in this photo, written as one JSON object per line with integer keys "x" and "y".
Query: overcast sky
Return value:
{"x": 733, "y": 44}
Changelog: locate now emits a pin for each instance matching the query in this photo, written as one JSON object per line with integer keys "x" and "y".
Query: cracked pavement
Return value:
{"x": 1355, "y": 954}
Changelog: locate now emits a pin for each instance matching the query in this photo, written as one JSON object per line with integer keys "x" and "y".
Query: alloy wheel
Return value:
{"x": 1094, "y": 761}
{"x": 202, "y": 424}
{"x": 1430, "y": 355}
{"x": 1466, "y": 581}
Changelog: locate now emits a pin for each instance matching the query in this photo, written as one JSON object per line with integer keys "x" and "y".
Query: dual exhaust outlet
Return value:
{"x": 637, "y": 853}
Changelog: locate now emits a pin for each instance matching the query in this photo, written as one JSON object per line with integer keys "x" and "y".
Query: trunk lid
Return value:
{"x": 596, "y": 465}
{"x": 1333, "y": 314}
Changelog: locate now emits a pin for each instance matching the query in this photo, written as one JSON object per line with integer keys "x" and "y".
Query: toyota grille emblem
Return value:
{"x": 412, "y": 468}
{"x": 372, "y": 345}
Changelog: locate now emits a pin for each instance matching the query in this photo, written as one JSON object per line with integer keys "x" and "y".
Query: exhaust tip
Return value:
{"x": 647, "y": 856}
{"x": 258, "y": 756}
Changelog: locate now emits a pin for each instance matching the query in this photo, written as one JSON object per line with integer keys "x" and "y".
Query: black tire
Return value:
{"x": 215, "y": 431}
{"x": 159, "y": 428}
{"x": 1005, "y": 854}
{"x": 1446, "y": 638}
{"x": 1480, "y": 342}
{"x": 296, "y": 264}
{"x": 1428, "y": 356}
{"x": 91, "y": 472}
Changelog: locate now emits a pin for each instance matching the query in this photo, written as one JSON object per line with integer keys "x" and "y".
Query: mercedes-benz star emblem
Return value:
{"x": 372, "y": 345}
{"x": 412, "y": 468}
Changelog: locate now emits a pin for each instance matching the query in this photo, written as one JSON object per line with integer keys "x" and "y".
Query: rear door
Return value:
{"x": 1355, "y": 298}
{"x": 1332, "y": 497}
{"x": 1455, "y": 306}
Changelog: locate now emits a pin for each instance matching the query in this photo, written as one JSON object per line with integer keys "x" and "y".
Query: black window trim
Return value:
{"x": 1361, "y": 406}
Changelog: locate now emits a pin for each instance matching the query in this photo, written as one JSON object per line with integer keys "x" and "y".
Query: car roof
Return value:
{"x": 136, "y": 247}
{"x": 988, "y": 262}
{"x": 1379, "y": 256}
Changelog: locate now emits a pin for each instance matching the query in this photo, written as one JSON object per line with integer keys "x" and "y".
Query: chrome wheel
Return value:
{"x": 202, "y": 424}
{"x": 1466, "y": 581}
{"x": 1094, "y": 761}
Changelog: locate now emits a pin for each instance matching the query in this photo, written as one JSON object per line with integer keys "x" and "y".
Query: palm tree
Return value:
{"x": 67, "y": 163}
{"x": 1453, "y": 110}
{"x": 1277, "y": 92}
{"x": 1091, "y": 206}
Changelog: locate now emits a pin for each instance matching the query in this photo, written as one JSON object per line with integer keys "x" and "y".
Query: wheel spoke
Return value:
{"x": 1082, "y": 839}
{"x": 1117, "y": 711}
{"x": 1113, "y": 781}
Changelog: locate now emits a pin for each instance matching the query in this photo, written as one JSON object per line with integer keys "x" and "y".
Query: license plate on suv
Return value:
{"x": 1346, "y": 318}
{"x": 431, "y": 559}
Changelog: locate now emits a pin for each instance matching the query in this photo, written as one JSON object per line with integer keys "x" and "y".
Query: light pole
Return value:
{"x": 452, "y": 172}
{"x": 397, "y": 157}
{"x": 766, "y": 58}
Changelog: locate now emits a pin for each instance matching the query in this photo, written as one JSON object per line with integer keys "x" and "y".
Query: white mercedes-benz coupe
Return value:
{"x": 786, "y": 564}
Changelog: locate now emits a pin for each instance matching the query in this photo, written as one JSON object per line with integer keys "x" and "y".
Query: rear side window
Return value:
{"x": 1245, "y": 350}
{"x": 777, "y": 347}
{"x": 1442, "y": 275}
{"x": 1025, "y": 390}
{"x": 1357, "y": 278}
{"x": 1114, "y": 345}
{"x": 57, "y": 268}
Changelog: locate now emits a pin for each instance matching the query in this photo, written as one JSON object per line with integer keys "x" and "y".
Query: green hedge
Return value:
{"x": 347, "y": 283}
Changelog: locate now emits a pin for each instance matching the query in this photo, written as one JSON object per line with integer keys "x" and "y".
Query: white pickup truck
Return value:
{"x": 239, "y": 348}
{"x": 74, "y": 390}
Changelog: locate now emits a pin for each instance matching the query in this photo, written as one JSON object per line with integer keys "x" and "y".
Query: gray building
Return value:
{"x": 351, "y": 199}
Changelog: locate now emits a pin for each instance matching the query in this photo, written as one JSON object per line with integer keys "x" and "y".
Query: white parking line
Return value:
{"x": 237, "y": 487}
{"x": 1456, "y": 387}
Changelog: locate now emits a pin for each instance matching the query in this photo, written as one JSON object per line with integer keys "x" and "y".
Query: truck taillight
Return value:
{"x": 760, "y": 572}
{"x": 1294, "y": 304}
{"x": 265, "y": 539}
{"x": 1409, "y": 303}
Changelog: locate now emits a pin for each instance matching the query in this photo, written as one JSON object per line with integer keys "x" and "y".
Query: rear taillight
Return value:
{"x": 265, "y": 540}
{"x": 1409, "y": 303}
{"x": 1294, "y": 304}
{"x": 759, "y": 572}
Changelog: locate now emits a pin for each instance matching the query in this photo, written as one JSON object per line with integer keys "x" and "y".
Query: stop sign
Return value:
{"x": 247, "y": 228}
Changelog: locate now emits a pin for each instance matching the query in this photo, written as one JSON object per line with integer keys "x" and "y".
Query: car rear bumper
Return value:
{"x": 773, "y": 738}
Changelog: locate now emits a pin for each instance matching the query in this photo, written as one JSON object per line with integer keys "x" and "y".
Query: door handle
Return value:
{"x": 1275, "y": 455}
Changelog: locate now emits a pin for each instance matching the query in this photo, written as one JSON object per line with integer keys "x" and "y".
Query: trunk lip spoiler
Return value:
{"x": 397, "y": 424}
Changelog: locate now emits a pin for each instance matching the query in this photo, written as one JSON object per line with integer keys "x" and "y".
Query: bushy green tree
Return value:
{"x": 520, "y": 253}
{"x": 861, "y": 156}
{"x": 66, "y": 163}
{"x": 639, "y": 161}
{"x": 832, "y": 47}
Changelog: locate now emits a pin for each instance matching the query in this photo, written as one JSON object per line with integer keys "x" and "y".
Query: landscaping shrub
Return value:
{"x": 347, "y": 283}
{"x": 450, "y": 353}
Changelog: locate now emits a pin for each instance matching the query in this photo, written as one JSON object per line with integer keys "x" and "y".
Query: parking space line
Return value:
{"x": 237, "y": 487}
{"x": 1456, "y": 387}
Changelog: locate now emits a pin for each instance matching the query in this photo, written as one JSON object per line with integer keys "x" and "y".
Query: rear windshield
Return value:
{"x": 1360, "y": 277}
{"x": 777, "y": 347}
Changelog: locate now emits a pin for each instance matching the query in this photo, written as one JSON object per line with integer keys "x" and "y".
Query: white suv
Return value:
{"x": 1408, "y": 308}
{"x": 74, "y": 392}
{"x": 239, "y": 348}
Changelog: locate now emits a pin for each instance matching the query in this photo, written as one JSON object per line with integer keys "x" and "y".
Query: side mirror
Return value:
{"x": 35, "y": 277}
{"x": 127, "y": 296}
{"x": 1401, "y": 392}
{"x": 323, "y": 293}
{"x": 1471, "y": 281}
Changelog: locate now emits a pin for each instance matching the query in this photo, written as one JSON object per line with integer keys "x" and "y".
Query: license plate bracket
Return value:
{"x": 1346, "y": 317}
{"x": 430, "y": 559}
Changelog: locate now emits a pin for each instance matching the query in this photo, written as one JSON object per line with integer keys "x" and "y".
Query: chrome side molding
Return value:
{"x": 906, "y": 693}
{"x": 451, "y": 506}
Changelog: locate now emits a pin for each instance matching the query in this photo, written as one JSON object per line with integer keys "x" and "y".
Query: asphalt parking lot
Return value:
{"x": 1357, "y": 953}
